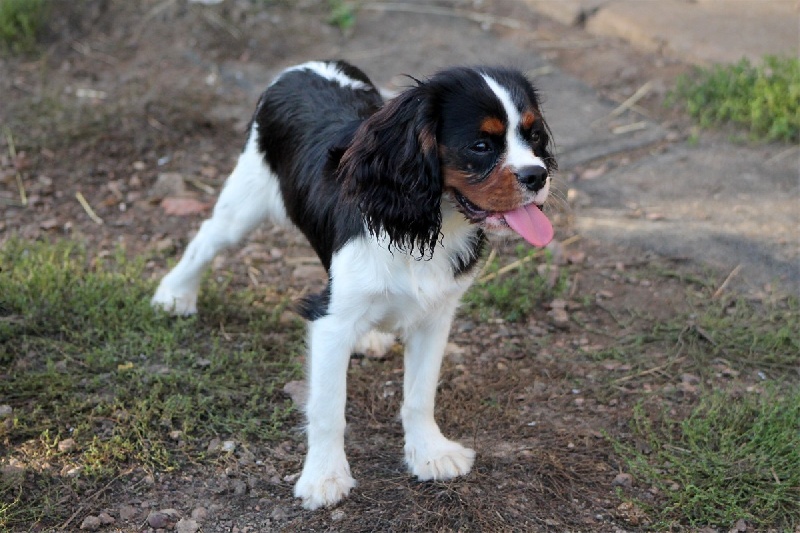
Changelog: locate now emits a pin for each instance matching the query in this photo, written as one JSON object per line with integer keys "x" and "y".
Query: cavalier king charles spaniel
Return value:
{"x": 395, "y": 197}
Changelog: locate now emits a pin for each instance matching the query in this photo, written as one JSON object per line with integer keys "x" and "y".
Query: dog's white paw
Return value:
{"x": 178, "y": 303}
{"x": 438, "y": 458}
{"x": 325, "y": 483}
{"x": 375, "y": 344}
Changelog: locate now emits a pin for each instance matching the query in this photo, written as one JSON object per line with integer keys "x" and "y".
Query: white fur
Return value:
{"x": 329, "y": 72}
{"x": 251, "y": 195}
{"x": 518, "y": 153}
{"x": 374, "y": 290}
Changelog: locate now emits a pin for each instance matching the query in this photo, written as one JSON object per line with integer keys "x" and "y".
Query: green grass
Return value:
{"x": 764, "y": 99}
{"x": 342, "y": 14}
{"x": 513, "y": 295}
{"x": 83, "y": 356}
{"x": 21, "y": 21}
{"x": 732, "y": 458}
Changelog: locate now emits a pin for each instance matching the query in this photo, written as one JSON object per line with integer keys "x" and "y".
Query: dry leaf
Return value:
{"x": 183, "y": 206}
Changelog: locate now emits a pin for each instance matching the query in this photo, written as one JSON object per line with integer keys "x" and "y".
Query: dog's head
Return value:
{"x": 475, "y": 137}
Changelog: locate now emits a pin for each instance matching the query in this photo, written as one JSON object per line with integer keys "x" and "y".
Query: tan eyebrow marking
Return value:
{"x": 527, "y": 120}
{"x": 493, "y": 126}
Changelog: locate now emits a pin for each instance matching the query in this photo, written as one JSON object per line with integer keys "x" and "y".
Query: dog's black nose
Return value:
{"x": 533, "y": 177}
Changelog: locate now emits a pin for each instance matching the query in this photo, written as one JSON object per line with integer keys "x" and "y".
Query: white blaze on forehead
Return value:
{"x": 518, "y": 153}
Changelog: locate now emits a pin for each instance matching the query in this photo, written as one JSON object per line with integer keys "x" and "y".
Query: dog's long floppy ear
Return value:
{"x": 391, "y": 170}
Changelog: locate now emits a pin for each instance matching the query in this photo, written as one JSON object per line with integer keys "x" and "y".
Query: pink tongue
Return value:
{"x": 531, "y": 224}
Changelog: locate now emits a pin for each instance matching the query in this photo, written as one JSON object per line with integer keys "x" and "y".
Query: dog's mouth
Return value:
{"x": 528, "y": 220}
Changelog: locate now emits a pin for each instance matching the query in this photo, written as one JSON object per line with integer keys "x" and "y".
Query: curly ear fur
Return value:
{"x": 391, "y": 170}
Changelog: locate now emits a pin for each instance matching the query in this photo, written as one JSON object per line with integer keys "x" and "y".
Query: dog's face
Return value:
{"x": 493, "y": 148}
{"x": 473, "y": 137}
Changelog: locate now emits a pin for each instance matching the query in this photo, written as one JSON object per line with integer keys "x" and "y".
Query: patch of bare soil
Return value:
{"x": 126, "y": 112}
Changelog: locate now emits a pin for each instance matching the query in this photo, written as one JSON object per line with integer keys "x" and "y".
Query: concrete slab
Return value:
{"x": 576, "y": 113}
{"x": 568, "y": 12}
{"x": 704, "y": 32}
{"x": 720, "y": 204}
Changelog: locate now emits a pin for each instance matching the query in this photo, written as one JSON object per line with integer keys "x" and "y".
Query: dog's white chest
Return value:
{"x": 393, "y": 291}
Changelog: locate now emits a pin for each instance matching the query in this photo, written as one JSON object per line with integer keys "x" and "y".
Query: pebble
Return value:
{"x": 200, "y": 514}
{"x": 214, "y": 445}
{"x": 239, "y": 487}
{"x": 187, "y": 525}
{"x": 106, "y": 518}
{"x": 337, "y": 515}
{"x": 128, "y": 512}
{"x": 91, "y": 523}
{"x": 66, "y": 445}
{"x": 622, "y": 480}
{"x": 157, "y": 520}
{"x": 279, "y": 513}
{"x": 297, "y": 391}
{"x": 5, "y": 411}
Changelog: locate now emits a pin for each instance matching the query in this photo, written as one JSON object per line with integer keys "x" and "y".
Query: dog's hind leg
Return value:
{"x": 250, "y": 195}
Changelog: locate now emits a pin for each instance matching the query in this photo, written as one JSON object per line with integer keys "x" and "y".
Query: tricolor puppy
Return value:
{"x": 395, "y": 198}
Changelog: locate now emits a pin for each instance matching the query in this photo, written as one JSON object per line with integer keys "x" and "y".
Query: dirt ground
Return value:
{"x": 131, "y": 93}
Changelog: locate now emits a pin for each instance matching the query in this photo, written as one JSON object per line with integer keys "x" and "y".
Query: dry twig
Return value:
{"x": 88, "y": 208}
{"x": 725, "y": 283}
{"x": 12, "y": 151}
{"x": 511, "y": 266}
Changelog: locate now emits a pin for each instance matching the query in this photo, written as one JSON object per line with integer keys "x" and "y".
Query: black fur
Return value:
{"x": 315, "y": 306}
{"x": 304, "y": 119}
{"x": 392, "y": 171}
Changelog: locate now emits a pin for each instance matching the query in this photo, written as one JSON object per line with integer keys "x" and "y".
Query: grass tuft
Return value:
{"x": 21, "y": 21}
{"x": 515, "y": 294}
{"x": 84, "y": 357}
{"x": 733, "y": 458}
{"x": 764, "y": 99}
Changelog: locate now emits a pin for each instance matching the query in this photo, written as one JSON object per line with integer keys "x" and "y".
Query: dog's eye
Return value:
{"x": 481, "y": 147}
{"x": 535, "y": 137}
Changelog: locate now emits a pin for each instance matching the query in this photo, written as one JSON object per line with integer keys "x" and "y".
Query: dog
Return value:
{"x": 396, "y": 199}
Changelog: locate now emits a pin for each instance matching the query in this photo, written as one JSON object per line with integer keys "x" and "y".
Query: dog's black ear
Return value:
{"x": 391, "y": 171}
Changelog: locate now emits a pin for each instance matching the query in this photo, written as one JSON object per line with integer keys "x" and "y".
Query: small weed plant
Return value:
{"x": 735, "y": 457}
{"x": 515, "y": 294}
{"x": 764, "y": 99}
{"x": 342, "y": 14}
{"x": 84, "y": 357}
{"x": 21, "y": 21}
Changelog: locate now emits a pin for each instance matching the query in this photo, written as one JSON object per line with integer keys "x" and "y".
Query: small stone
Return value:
{"x": 229, "y": 446}
{"x": 5, "y": 411}
{"x": 279, "y": 513}
{"x": 157, "y": 520}
{"x": 200, "y": 514}
{"x": 239, "y": 487}
{"x": 91, "y": 523}
{"x": 297, "y": 391}
{"x": 168, "y": 184}
{"x": 214, "y": 445}
{"x": 66, "y": 445}
{"x": 740, "y": 526}
{"x": 128, "y": 512}
{"x": 71, "y": 471}
{"x": 337, "y": 515}
{"x": 106, "y": 518}
{"x": 187, "y": 525}
{"x": 623, "y": 480}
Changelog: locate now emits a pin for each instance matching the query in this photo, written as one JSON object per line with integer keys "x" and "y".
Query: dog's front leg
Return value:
{"x": 326, "y": 475}
{"x": 428, "y": 453}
